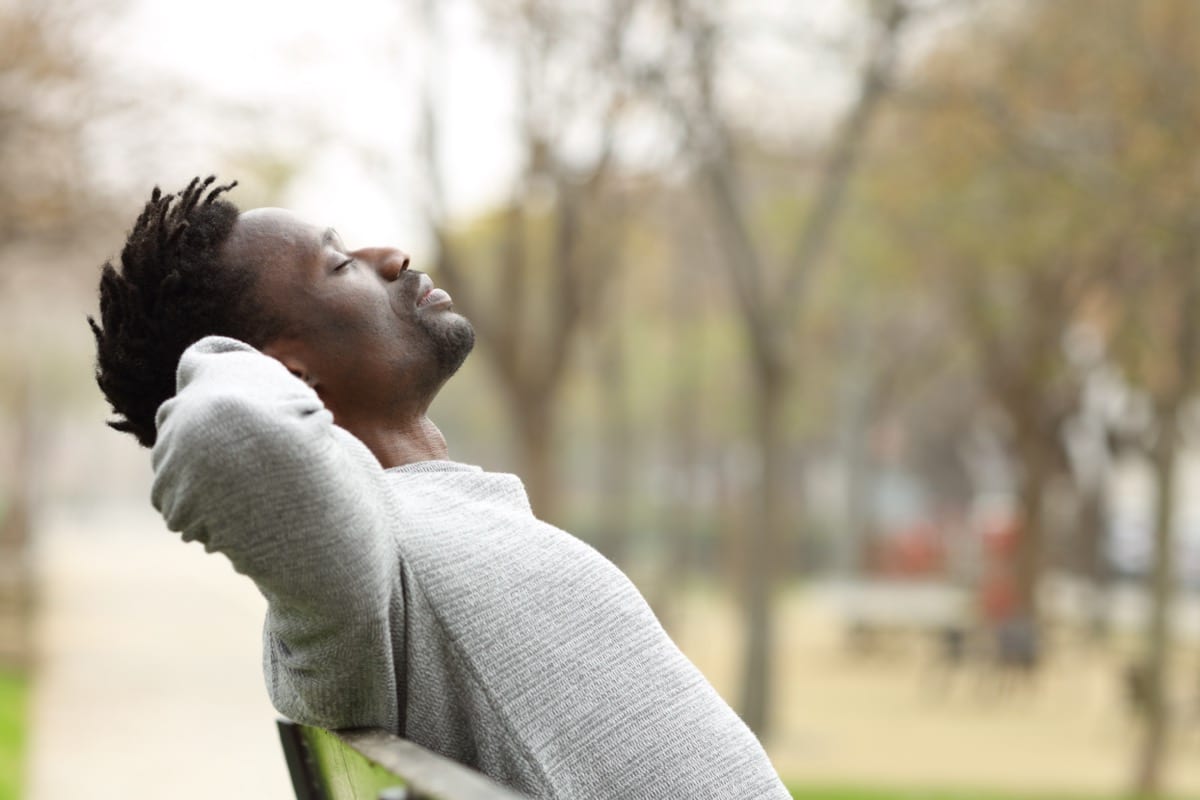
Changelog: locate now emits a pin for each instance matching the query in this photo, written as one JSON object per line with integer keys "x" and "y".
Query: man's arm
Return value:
{"x": 249, "y": 462}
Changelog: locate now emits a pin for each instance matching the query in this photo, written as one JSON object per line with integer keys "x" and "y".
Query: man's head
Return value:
{"x": 366, "y": 332}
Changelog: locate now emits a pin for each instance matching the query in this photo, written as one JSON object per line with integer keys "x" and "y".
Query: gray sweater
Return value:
{"x": 429, "y": 601}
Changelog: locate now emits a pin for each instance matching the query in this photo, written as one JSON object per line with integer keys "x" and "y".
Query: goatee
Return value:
{"x": 453, "y": 341}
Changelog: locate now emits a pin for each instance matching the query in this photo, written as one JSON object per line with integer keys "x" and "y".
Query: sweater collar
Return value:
{"x": 433, "y": 466}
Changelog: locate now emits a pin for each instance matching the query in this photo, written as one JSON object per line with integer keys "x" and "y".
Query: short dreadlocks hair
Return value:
{"x": 172, "y": 288}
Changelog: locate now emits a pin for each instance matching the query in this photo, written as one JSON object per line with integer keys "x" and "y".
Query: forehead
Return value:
{"x": 283, "y": 252}
{"x": 271, "y": 235}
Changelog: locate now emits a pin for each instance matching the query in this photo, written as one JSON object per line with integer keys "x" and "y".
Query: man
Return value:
{"x": 283, "y": 382}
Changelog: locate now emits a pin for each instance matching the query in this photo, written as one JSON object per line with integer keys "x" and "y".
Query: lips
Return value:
{"x": 430, "y": 295}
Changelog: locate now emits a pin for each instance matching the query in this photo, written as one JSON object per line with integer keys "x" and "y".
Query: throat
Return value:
{"x": 396, "y": 445}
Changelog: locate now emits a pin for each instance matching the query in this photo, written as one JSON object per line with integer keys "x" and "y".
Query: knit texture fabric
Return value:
{"x": 429, "y": 601}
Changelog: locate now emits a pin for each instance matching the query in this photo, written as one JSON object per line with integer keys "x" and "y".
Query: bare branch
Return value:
{"x": 818, "y": 227}
{"x": 719, "y": 173}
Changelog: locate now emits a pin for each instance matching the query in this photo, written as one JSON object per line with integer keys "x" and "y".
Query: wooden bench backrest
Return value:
{"x": 375, "y": 765}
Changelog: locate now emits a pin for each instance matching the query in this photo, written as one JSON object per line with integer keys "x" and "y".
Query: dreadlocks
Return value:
{"x": 171, "y": 290}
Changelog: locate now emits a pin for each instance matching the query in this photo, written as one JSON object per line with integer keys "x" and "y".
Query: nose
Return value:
{"x": 388, "y": 261}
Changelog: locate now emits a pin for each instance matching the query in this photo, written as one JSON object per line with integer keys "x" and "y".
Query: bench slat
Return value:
{"x": 359, "y": 765}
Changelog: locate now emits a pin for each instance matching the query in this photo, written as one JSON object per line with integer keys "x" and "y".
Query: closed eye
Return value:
{"x": 343, "y": 265}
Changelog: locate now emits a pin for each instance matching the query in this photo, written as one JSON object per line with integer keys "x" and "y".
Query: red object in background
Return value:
{"x": 916, "y": 551}
{"x": 1000, "y": 539}
{"x": 998, "y": 596}
{"x": 998, "y": 589}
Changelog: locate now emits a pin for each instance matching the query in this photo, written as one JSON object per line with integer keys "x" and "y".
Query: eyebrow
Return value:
{"x": 330, "y": 236}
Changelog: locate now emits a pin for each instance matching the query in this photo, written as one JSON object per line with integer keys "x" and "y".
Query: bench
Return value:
{"x": 375, "y": 765}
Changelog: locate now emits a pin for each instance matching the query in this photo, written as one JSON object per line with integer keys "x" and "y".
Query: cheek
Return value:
{"x": 357, "y": 315}
{"x": 373, "y": 334}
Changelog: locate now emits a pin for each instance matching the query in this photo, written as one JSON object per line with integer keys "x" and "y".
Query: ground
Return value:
{"x": 897, "y": 717}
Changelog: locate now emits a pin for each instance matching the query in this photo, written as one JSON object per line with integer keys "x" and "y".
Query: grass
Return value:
{"x": 856, "y": 793}
{"x": 13, "y": 690}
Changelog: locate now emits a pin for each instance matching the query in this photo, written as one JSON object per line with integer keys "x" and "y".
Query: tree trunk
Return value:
{"x": 1029, "y": 544}
{"x": 678, "y": 511}
{"x": 857, "y": 398}
{"x": 1152, "y": 750}
{"x": 617, "y": 447}
{"x": 16, "y": 532}
{"x": 1090, "y": 538}
{"x": 678, "y": 517}
{"x": 537, "y": 425}
{"x": 15, "y": 524}
{"x": 763, "y": 550}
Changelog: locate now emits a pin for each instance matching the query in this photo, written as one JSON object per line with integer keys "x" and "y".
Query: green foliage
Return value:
{"x": 13, "y": 692}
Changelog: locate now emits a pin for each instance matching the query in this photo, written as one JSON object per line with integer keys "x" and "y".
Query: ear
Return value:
{"x": 289, "y": 352}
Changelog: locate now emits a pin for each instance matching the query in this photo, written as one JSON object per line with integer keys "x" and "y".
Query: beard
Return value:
{"x": 453, "y": 338}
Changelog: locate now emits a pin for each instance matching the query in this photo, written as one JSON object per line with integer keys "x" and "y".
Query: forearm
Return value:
{"x": 249, "y": 463}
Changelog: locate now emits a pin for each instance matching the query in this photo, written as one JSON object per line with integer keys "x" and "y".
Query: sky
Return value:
{"x": 350, "y": 70}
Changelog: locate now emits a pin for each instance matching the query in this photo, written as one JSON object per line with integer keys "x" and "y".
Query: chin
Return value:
{"x": 454, "y": 338}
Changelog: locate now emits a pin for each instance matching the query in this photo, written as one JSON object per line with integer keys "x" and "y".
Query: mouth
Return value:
{"x": 430, "y": 295}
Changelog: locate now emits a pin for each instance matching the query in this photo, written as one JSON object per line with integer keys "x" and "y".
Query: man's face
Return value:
{"x": 371, "y": 335}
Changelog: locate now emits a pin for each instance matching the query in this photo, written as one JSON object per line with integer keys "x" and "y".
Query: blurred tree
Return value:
{"x": 770, "y": 293}
{"x": 46, "y": 199}
{"x": 1001, "y": 222}
{"x": 1048, "y": 181}
{"x": 693, "y": 325}
{"x": 618, "y": 441}
{"x": 559, "y": 233}
{"x": 1148, "y": 113}
{"x": 45, "y": 79}
{"x": 1165, "y": 366}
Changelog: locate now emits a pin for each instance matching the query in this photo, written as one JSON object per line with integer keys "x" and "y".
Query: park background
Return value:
{"x": 862, "y": 334}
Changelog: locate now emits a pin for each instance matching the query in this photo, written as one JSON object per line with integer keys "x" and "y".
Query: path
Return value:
{"x": 149, "y": 680}
{"x": 892, "y": 719}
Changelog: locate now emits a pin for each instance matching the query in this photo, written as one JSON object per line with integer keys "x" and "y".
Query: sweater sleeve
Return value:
{"x": 249, "y": 463}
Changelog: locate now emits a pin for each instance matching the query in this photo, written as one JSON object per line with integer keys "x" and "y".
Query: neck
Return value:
{"x": 394, "y": 446}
